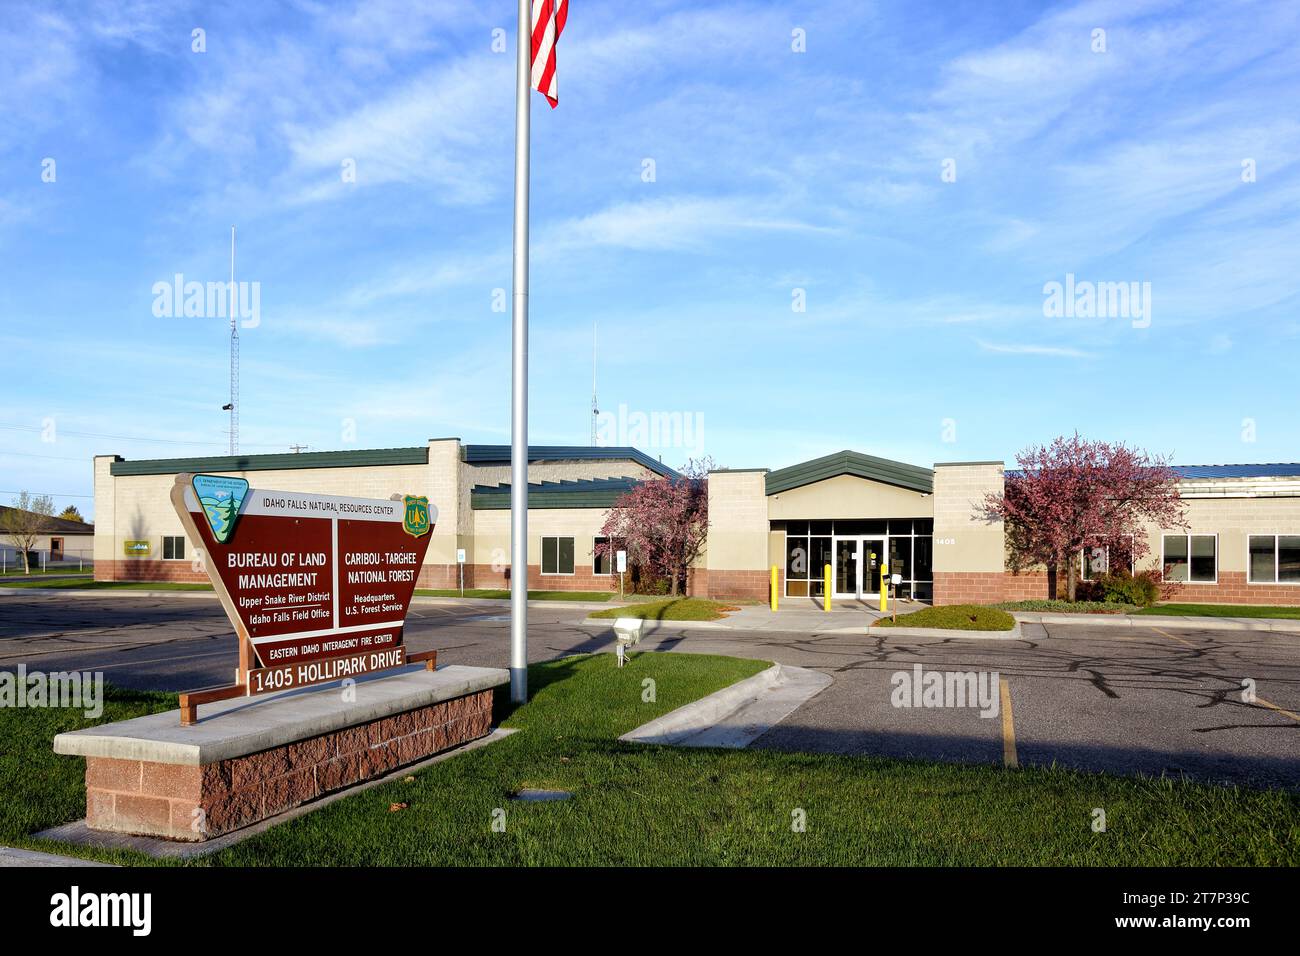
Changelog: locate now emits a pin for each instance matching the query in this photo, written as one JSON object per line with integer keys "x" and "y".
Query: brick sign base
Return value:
{"x": 195, "y": 803}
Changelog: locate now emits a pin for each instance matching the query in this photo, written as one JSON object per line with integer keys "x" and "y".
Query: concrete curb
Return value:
{"x": 115, "y": 592}
{"x": 735, "y": 716}
{"x": 490, "y": 603}
{"x": 649, "y": 626}
{"x": 1159, "y": 620}
{"x": 1012, "y": 635}
{"x": 12, "y": 856}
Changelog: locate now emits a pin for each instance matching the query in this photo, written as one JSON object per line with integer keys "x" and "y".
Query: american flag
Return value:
{"x": 548, "y": 23}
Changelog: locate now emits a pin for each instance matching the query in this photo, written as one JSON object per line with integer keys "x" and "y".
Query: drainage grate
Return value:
{"x": 541, "y": 796}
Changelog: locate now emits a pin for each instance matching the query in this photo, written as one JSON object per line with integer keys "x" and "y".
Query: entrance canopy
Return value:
{"x": 852, "y": 512}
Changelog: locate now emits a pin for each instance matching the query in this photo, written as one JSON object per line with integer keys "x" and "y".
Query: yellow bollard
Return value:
{"x": 826, "y": 589}
{"x": 774, "y": 587}
{"x": 884, "y": 585}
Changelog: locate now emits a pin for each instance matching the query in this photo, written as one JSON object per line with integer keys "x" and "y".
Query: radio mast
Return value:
{"x": 595, "y": 409}
{"x": 234, "y": 351}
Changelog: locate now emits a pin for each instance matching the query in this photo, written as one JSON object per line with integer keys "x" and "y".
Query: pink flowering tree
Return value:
{"x": 1075, "y": 494}
{"x": 662, "y": 523}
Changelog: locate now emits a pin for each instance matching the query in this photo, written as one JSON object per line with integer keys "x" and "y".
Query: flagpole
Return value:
{"x": 519, "y": 373}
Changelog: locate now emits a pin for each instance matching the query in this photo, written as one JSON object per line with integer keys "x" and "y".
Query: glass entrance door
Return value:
{"x": 873, "y": 552}
{"x": 846, "y": 567}
{"x": 857, "y": 567}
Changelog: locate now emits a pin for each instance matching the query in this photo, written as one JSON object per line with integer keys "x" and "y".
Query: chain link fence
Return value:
{"x": 46, "y": 561}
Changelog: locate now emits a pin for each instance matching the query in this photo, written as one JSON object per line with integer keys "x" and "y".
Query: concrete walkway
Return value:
{"x": 1164, "y": 620}
{"x": 12, "y": 856}
{"x": 798, "y": 618}
{"x": 735, "y": 716}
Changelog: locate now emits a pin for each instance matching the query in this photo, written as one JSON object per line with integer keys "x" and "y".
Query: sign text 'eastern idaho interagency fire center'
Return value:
{"x": 319, "y": 584}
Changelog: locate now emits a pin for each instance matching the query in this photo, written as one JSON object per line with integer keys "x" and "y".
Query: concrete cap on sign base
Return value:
{"x": 245, "y": 725}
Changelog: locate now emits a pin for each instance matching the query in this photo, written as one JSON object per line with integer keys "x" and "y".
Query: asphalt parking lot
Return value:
{"x": 1129, "y": 700}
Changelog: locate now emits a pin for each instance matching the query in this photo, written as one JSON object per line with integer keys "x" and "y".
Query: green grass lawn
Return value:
{"x": 79, "y": 584}
{"x": 39, "y": 788}
{"x": 966, "y": 617}
{"x": 673, "y": 609}
{"x": 503, "y": 594}
{"x": 1222, "y": 610}
{"x": 655, "y": 806}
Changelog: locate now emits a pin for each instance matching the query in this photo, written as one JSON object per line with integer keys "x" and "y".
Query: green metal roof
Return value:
{"x": 500, "y": 455}
{"x": 847, "y": 462}
{"x": 583, "y": 493}
{"x": 286, "y": 460}
{"x": 419, "y": 455}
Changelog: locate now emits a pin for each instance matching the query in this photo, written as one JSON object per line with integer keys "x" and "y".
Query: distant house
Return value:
{"x": 60, "y": 542}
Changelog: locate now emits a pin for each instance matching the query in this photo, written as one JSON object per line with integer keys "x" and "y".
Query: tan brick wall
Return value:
{"x": 963, "y": 542}
{"x": 738, "y": 523}
{"x": 195, "y": 803}
{"x": 442, "y": 485}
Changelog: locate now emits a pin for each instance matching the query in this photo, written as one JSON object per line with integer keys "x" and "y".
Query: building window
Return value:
{"x": 557, "y": 555}
{"x": 1274, "y": 559}
{"x": 806, "y": 558}
{"x": 1191, "y": 558}
{"x": 603, "y": 563}
{"x": 1097, "y": 561}
{"x": 174, "y": 547}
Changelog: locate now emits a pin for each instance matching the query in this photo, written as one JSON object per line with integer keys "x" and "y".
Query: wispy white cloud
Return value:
{"x": 1053, "y": 351}
{"x": 677, "y": 223}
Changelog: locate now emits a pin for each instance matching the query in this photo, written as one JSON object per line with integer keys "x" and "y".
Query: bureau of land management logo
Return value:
{"x": 415, "y": 521}
{"x": 220, "y": 499}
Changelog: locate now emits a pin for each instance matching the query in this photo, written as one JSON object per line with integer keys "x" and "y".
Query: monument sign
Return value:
{"x": 316, "y": 586}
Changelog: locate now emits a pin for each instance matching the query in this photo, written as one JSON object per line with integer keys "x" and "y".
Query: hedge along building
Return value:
{"x": 848, "y": 510}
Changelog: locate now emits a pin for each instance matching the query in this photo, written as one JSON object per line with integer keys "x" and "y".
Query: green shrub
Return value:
{"x": 1067, "y": 607}
{"x": 1120, "y": 587}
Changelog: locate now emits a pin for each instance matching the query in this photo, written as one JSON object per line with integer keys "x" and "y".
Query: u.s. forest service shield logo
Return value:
{"x": 415, "y": 521}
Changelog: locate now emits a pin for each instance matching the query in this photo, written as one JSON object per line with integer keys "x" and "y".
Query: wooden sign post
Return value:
{"x": 316, "y": 586}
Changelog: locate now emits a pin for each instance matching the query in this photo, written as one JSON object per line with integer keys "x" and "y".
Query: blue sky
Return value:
{"x": 924, "y": 336}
